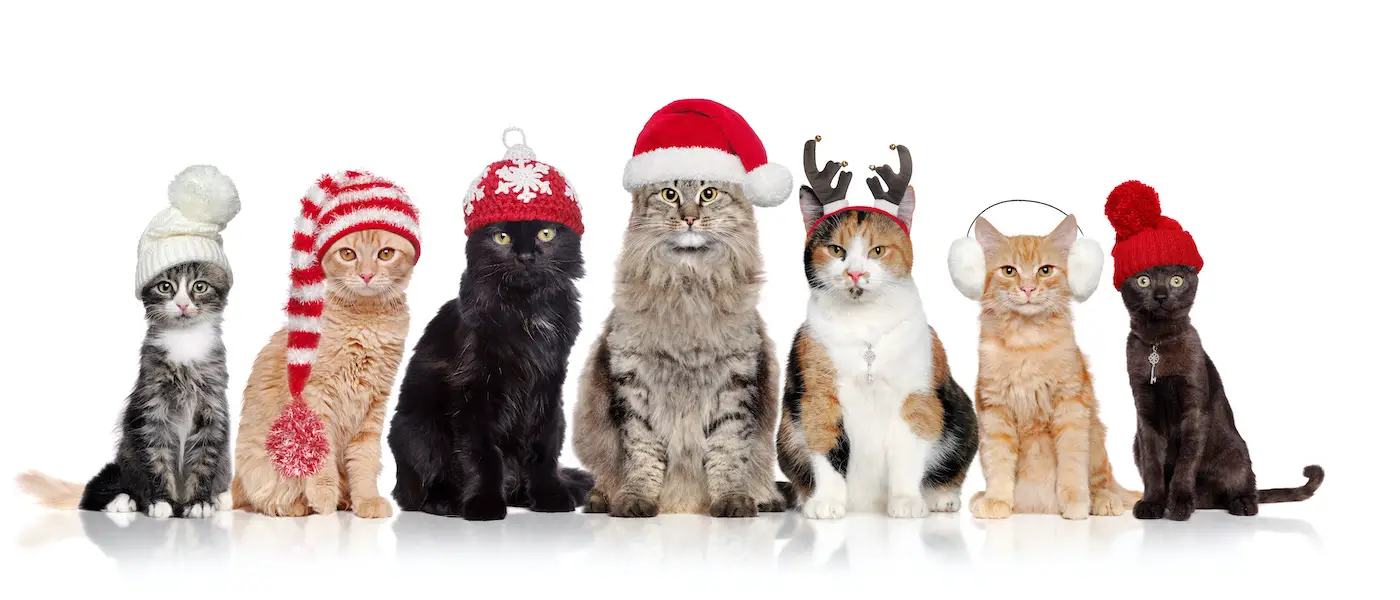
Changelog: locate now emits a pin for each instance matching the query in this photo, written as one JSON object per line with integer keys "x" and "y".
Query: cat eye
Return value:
{"x": 1144, "y": 281}
{"x": 386, "y": 253}
{"x": 1046, "y": 270}
{"x": 545, "y": 234}
{"x": 670, "y": 195}
{"x": 877, "y": 252}
{"x": 200, "y": 287}
{"x": 836, "y": 251}
{"x": 347, "y": 254}
{"x": 1008, "y": 271}
{"x": 165, "y": 287}
{"x": 1178, "y": 281}
{"x": 501, "y": 238}
{"x": 708, "y": 195}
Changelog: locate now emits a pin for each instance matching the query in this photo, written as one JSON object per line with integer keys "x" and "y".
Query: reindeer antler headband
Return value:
{"x": 830, "y": 183}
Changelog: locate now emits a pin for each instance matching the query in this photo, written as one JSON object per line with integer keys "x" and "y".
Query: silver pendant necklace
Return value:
{"x": 1153, "y": 359}
{"x": 869, "y": 363}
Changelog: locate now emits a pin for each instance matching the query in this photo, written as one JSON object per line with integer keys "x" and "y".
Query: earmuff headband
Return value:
{"x": 967, "y": 260}
{"x": 984, "y": 211}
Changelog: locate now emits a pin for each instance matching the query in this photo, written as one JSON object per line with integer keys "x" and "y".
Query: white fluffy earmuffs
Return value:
{"x": 967, "y": 261}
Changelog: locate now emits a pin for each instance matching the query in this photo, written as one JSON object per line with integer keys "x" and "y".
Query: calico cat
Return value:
{"x": 173, "y": 455}
{"x": 337, "y": 358}
{"x": 1042, "y": 442}
{"x": 480, "y": 419}
{"x": 1187, "y": 448}
{"x": 872, "y": 419}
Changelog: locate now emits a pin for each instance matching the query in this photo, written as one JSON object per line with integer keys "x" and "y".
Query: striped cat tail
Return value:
{"x": 50, "y": 492}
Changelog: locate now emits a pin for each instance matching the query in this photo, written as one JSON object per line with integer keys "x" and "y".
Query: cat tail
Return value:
{"x": 1297, "y": 494}
{"x": 579, "y": 482}
{"x": 789, "y": 494}
{"x": 51, "y": 492}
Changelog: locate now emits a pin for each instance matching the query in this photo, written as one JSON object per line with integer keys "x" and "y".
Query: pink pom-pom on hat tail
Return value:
{"x": 296, "y": 444}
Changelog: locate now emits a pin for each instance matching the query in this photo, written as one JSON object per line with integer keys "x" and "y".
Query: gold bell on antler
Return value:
{"x": 818, "y": 138}
{"x": 893, "y": 146}
{"x": 844, "y": 163}
{"x": 872, "y": 167}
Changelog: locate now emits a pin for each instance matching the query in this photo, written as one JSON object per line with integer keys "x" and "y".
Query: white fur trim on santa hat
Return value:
{"x": 767, "y": 185}
{"x": 967, "y": 264}
{"x": 1085, "y": 268}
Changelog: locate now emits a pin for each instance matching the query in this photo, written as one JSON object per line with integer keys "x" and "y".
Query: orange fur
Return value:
{"x": 821, "y": 410}
{"x": 356, "y": 364}
{"x": 1042, "y": 442}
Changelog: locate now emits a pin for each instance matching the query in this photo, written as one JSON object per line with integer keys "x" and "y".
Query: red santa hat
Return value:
{"x": 336, "y": 206}
{"x": 520, "y": 188}
{"x": 1145, "y": 238}
{"x": 706, "y": 140}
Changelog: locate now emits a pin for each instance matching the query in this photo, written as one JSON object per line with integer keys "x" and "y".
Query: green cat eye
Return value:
{"x": 877, "y": 252}
{"x": 200, "y": 287}
{"x": 836, "y": 251}
{"x": 670, "y": 194}
{"x": 165, "y": 287}
{"x": 708, "y": 194}
{"x": 1178, "y": 281}
{"x": 501, "y": 238}
{"x": 545, "y": 234}
{"x": 1008, "y": 271}
{"x": 1144, "y": 281}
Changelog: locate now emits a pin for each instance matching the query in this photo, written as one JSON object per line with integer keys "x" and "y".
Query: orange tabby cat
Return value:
{"x": 1042, "y": 443}
{"x": 365, "y": 323}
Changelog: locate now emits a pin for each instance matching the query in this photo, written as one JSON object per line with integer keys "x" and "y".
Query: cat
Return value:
{"x": 1042, "y": 442}
{"x": 480, "y": 418}
{"x": 173, "y": 456}
{"x": 872, "y": 419}
{"x": 1187, "y": 449}
{"x": 678, "y": 398}
{"x": 356, "y": 361}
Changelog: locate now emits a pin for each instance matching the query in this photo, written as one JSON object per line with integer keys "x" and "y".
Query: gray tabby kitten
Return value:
{"x": 173, "y": 458}
{"x": 679, "y": 397}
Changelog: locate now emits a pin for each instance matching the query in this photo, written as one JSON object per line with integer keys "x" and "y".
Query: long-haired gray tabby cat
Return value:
{"x": 679, "y": 396}
{"x": 173, "y": 457}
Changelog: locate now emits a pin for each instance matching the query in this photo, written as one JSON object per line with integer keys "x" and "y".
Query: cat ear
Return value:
{"x": 812, "y": 209}
{"x": 1085, "y": 258}
{"x": 906, "y": 209}
{"x": 1064, "y": 234}
{"x": 988, "y": 236}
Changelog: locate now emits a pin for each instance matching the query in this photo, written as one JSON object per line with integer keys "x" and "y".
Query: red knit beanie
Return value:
{"x": 520, "y": 188}
{"x": 1146, "y": 239}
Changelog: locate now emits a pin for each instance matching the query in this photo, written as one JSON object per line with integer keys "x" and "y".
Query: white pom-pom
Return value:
{"x": 967, "y": 264}
{"x": 1085, "y": 268}
{"x": 202, "y": 193}
{"x": 768, "y": 185}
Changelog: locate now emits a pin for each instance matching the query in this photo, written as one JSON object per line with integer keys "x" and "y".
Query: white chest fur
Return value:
{"x": 188, "y": 345}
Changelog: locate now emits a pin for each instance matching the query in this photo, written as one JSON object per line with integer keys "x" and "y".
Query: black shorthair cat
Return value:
{"x": 480, "y": 418}
{"x": 1187, "y": 448}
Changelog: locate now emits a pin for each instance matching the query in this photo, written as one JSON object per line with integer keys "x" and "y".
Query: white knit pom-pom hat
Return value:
{"x": 202, "y": 202}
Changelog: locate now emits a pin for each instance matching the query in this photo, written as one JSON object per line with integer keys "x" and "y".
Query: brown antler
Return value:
{"x": 821, "y": 181}
{"x": 897, "y": 183}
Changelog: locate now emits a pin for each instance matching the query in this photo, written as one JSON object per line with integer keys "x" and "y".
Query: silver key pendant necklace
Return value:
{"x": 1153, "y": 359}
{"x": 869, "y": 363}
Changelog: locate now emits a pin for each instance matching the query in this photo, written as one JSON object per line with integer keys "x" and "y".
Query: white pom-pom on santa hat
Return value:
{"x": 203, "y": 193}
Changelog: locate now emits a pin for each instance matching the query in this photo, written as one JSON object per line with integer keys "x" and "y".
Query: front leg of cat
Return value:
{"x": 362, "y": 464}
{"x": 161, "y": 448}
{"x": 1069, "y": 422}
{"x": 480, "y": 472}
{"x": 547, "y": 492}
{"x": 906, "y": 457}
{"x": 828, "y": 500}
{"x": 208, "y": 468}
{"x": 1149, "y": 452}
{"x": 644, "y": 466}
{"x": 729, "y": 440}
{"x": 998, "y": 441}
{"x": 1181, "y": 499}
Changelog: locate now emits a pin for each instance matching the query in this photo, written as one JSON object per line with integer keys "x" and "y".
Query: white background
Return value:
{"x": 1268, "y": 129}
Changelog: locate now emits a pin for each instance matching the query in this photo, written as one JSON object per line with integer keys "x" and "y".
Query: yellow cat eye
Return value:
{"x": 1144, "y": 281}
{"x": 165, "y": 287}
{"x": 1008, "y": 271}
{"x": 836, "y": 251}
{"x": 347, "y": 254}
{"x": 1178, "y": 281}
{"x": 501, "y": 238}
{"x": 877, "y": 252}
{"x": 670, "y": 195}
{"x": 708, "y": 194}
{"x": 200, "y": 287}
{"x": 1046, "y": 270}
{"x": 386, "y": 254}
{"x": 545, "y": 234}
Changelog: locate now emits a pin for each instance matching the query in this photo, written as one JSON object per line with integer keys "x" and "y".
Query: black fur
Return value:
{"x": 480, "y": 417}
{"x": 960, "y": 421}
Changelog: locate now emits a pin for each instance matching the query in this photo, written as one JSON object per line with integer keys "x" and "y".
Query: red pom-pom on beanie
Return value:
{"x": 1132, "y": 207}
{"x": 1146, "y": 239}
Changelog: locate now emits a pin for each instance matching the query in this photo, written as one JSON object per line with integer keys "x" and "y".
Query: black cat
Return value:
{"x": 480, "y": 417}
{"x": 1187, "y": 449}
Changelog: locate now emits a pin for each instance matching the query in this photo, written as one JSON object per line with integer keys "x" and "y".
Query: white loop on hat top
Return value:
{"x": 519, "y": 151}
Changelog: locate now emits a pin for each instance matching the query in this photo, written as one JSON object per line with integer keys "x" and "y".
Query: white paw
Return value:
{"x": 121, "y": 504}
{"x": 823, "y": 508}
{"x": 224, "y": 502}
{"x": 159, "y": 510}
{"x": 199, "y": 510}
{"x": 907, "y": 507}
{"x": 943, "y": 500}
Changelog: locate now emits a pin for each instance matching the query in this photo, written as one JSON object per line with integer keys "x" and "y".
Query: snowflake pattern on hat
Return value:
{"x": 526, "y": 179}
{"x": 521, "y": 188}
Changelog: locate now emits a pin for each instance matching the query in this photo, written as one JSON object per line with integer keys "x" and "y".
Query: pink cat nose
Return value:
{"x": 366, "y": 277}
{"x": 1028, "y": 290}
{"x": 690, "y": 220}
{"x": 184, "y": 308}
{"x": 855, "y": 276}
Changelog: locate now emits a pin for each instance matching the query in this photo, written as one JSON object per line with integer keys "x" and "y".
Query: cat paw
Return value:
{"x": 990, "y": 508}
{"x": 484, "y": 508}
{"x": 1105, "y": 504}
{"x": 906, "y": 507}
{"x": 1180, "y": 507}
{"x": 373, "y": 508}
{"x": 1074, "y": 504}
{"x": 197, "y": 510}
{"x": 634, "y": 507}
{"x": 121, "y": 504}
{"x": 1244, "y": 506}
{"x": 297, "y": 508}
{"x": 160, "y": 510}
{"x": 551, "y": 499}
{"x": 224, "y": 502}
{"x": 322, "y": 499}
{"x": 597, "y": 503}
{"x": 1075, "y": 512}
{"x": 824, "y": 508}
{"x": 1145, "y": 509}
{"x": 734, "y": 506}
{"x": 943, "y": 500}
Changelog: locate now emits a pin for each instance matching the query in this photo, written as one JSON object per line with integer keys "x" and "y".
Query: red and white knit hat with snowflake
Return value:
{"x": 336, "y": 206}
{"x": 703, "y": 139}
{"x": 520, "y": 188}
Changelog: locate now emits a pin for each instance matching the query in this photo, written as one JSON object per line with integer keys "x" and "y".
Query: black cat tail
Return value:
{"x": 789, "y": 494}
{"x": 51, "y": 492}
{"x": 579, "y": 482}
{"x": 1297, "y": 494}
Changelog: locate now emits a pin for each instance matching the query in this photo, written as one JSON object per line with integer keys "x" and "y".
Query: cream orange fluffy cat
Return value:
{"x": 362, "y": 342}
{"x": 1042, "y": 443}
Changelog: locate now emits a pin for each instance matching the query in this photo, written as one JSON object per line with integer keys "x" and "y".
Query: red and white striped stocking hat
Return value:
{"x": 337, "y": 206}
